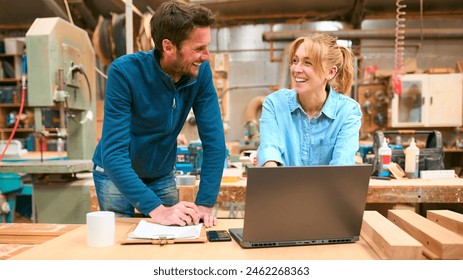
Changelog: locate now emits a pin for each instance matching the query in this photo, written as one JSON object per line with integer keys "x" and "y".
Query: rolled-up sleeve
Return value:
{"x": 347, "y": 142}
{"x": 271, "y": 140}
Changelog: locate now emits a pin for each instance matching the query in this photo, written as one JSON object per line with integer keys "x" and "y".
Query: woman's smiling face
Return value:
{"x": 303, "y": 73}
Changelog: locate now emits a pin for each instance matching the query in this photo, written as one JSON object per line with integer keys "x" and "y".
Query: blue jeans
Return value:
{"x": 111, "y": 199}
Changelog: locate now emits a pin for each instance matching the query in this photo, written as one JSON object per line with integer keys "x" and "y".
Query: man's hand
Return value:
{"x": 182, "y": 214}
{"x": 205, "y": 214}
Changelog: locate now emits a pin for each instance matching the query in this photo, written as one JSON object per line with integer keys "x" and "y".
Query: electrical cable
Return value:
{"x": 21, "y": 106}
{"x": 101, "y": 73}
{"x": 89, "y": 114}
{"x": 81, "y": 70}
{"x": 18, "y": 118}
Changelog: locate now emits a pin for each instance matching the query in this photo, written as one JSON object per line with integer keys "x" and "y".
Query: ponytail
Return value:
{"x": 344, "y": 78}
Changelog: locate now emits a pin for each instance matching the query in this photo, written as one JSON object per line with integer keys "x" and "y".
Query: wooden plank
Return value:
{"x": 388, "y": 240}
{"x": 27, "y": 233}
{"x": 459, "y": 67}
{"x": 17, "y": 238}
{"x": 439, "y": 71}
{"x": 25, "y": 239}
{"x": 441, "y": 242}
{"x": 35, "y": 229}
{"x": 448, "y": 219}
{"x": 9, "y": 250}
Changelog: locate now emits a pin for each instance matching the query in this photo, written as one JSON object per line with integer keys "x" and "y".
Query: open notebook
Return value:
{"x": 287, "y": 206}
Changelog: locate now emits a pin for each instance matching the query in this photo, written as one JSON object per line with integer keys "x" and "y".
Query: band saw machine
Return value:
{"x": 61, "y": 75}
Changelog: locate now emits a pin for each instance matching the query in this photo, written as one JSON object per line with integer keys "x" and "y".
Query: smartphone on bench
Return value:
{"x": 218, "y": 235}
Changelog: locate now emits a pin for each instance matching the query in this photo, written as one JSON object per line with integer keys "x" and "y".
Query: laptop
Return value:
{"x": 310, "y": 205}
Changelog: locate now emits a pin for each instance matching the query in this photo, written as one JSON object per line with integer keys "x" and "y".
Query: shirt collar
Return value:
{"x": 329, "y": 109}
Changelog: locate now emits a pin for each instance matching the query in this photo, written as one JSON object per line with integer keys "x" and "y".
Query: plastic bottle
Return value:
{"x": 412, "y": 156}
{"x": 384, "y": 157}
{"x": 60, "y": 147}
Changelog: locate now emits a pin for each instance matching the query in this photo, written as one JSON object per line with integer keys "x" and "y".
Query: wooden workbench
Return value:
{"x": 404, "y": 235}
{"x": 75, "y": 243}
{"x": 380, "y": 191}
{"x": 19, "y": 237}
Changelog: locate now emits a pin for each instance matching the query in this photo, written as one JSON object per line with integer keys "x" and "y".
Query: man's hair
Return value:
{"x": 174, "y": 20}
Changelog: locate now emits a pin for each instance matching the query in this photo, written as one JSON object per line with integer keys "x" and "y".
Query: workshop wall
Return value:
{"x": 254, "y": 62}
{"x": 255, "y": 67}
{"x": 429, "y": 52}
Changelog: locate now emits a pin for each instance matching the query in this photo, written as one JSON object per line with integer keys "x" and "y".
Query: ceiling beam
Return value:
{"x": 357, "y": 14}
{"x": 81, "y": 9}
{"x": 428, "y": 33}
{"x": 56, "y": 9}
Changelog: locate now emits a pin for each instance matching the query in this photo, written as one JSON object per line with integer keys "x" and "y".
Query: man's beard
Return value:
{"x": 180, "y": 67}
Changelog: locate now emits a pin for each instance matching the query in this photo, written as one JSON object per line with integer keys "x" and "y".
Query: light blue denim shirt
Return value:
{"x": 289, "y": 136}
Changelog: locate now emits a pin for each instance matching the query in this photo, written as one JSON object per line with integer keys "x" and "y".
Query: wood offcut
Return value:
{"x": 16, "y": 238}
{"x": 388, "y": 240}
{"x": 440, "y": 242}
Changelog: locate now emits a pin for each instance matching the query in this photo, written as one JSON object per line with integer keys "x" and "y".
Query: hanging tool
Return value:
{"x": 367, "y": 107}
{"x": 399, "y": 47}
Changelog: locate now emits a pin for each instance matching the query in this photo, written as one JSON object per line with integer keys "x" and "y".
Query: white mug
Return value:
{"x": 101, "y": 229}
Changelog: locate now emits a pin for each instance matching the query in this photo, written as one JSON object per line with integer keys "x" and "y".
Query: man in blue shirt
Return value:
{"x": 313, "y": 123}
{"x": 148, "y": 98}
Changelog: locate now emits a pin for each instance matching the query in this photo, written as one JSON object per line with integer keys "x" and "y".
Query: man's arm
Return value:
{"x": 211, "y": 133}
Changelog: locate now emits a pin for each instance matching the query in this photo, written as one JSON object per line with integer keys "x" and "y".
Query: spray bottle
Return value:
{"x": 412, "y": 156}
{"x": 384, "y": 158}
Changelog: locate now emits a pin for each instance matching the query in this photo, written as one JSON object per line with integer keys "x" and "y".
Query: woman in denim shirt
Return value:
{"x": 314, "y": 123}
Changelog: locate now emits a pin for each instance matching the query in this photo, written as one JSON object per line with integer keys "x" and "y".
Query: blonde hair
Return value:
{"x": 324, "y": 52}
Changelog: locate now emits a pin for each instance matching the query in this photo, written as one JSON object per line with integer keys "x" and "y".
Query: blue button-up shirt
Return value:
{"x": 290, "y": 137}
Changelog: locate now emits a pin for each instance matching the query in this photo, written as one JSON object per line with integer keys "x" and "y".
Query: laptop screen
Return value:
{"x": 305, "y": 203}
